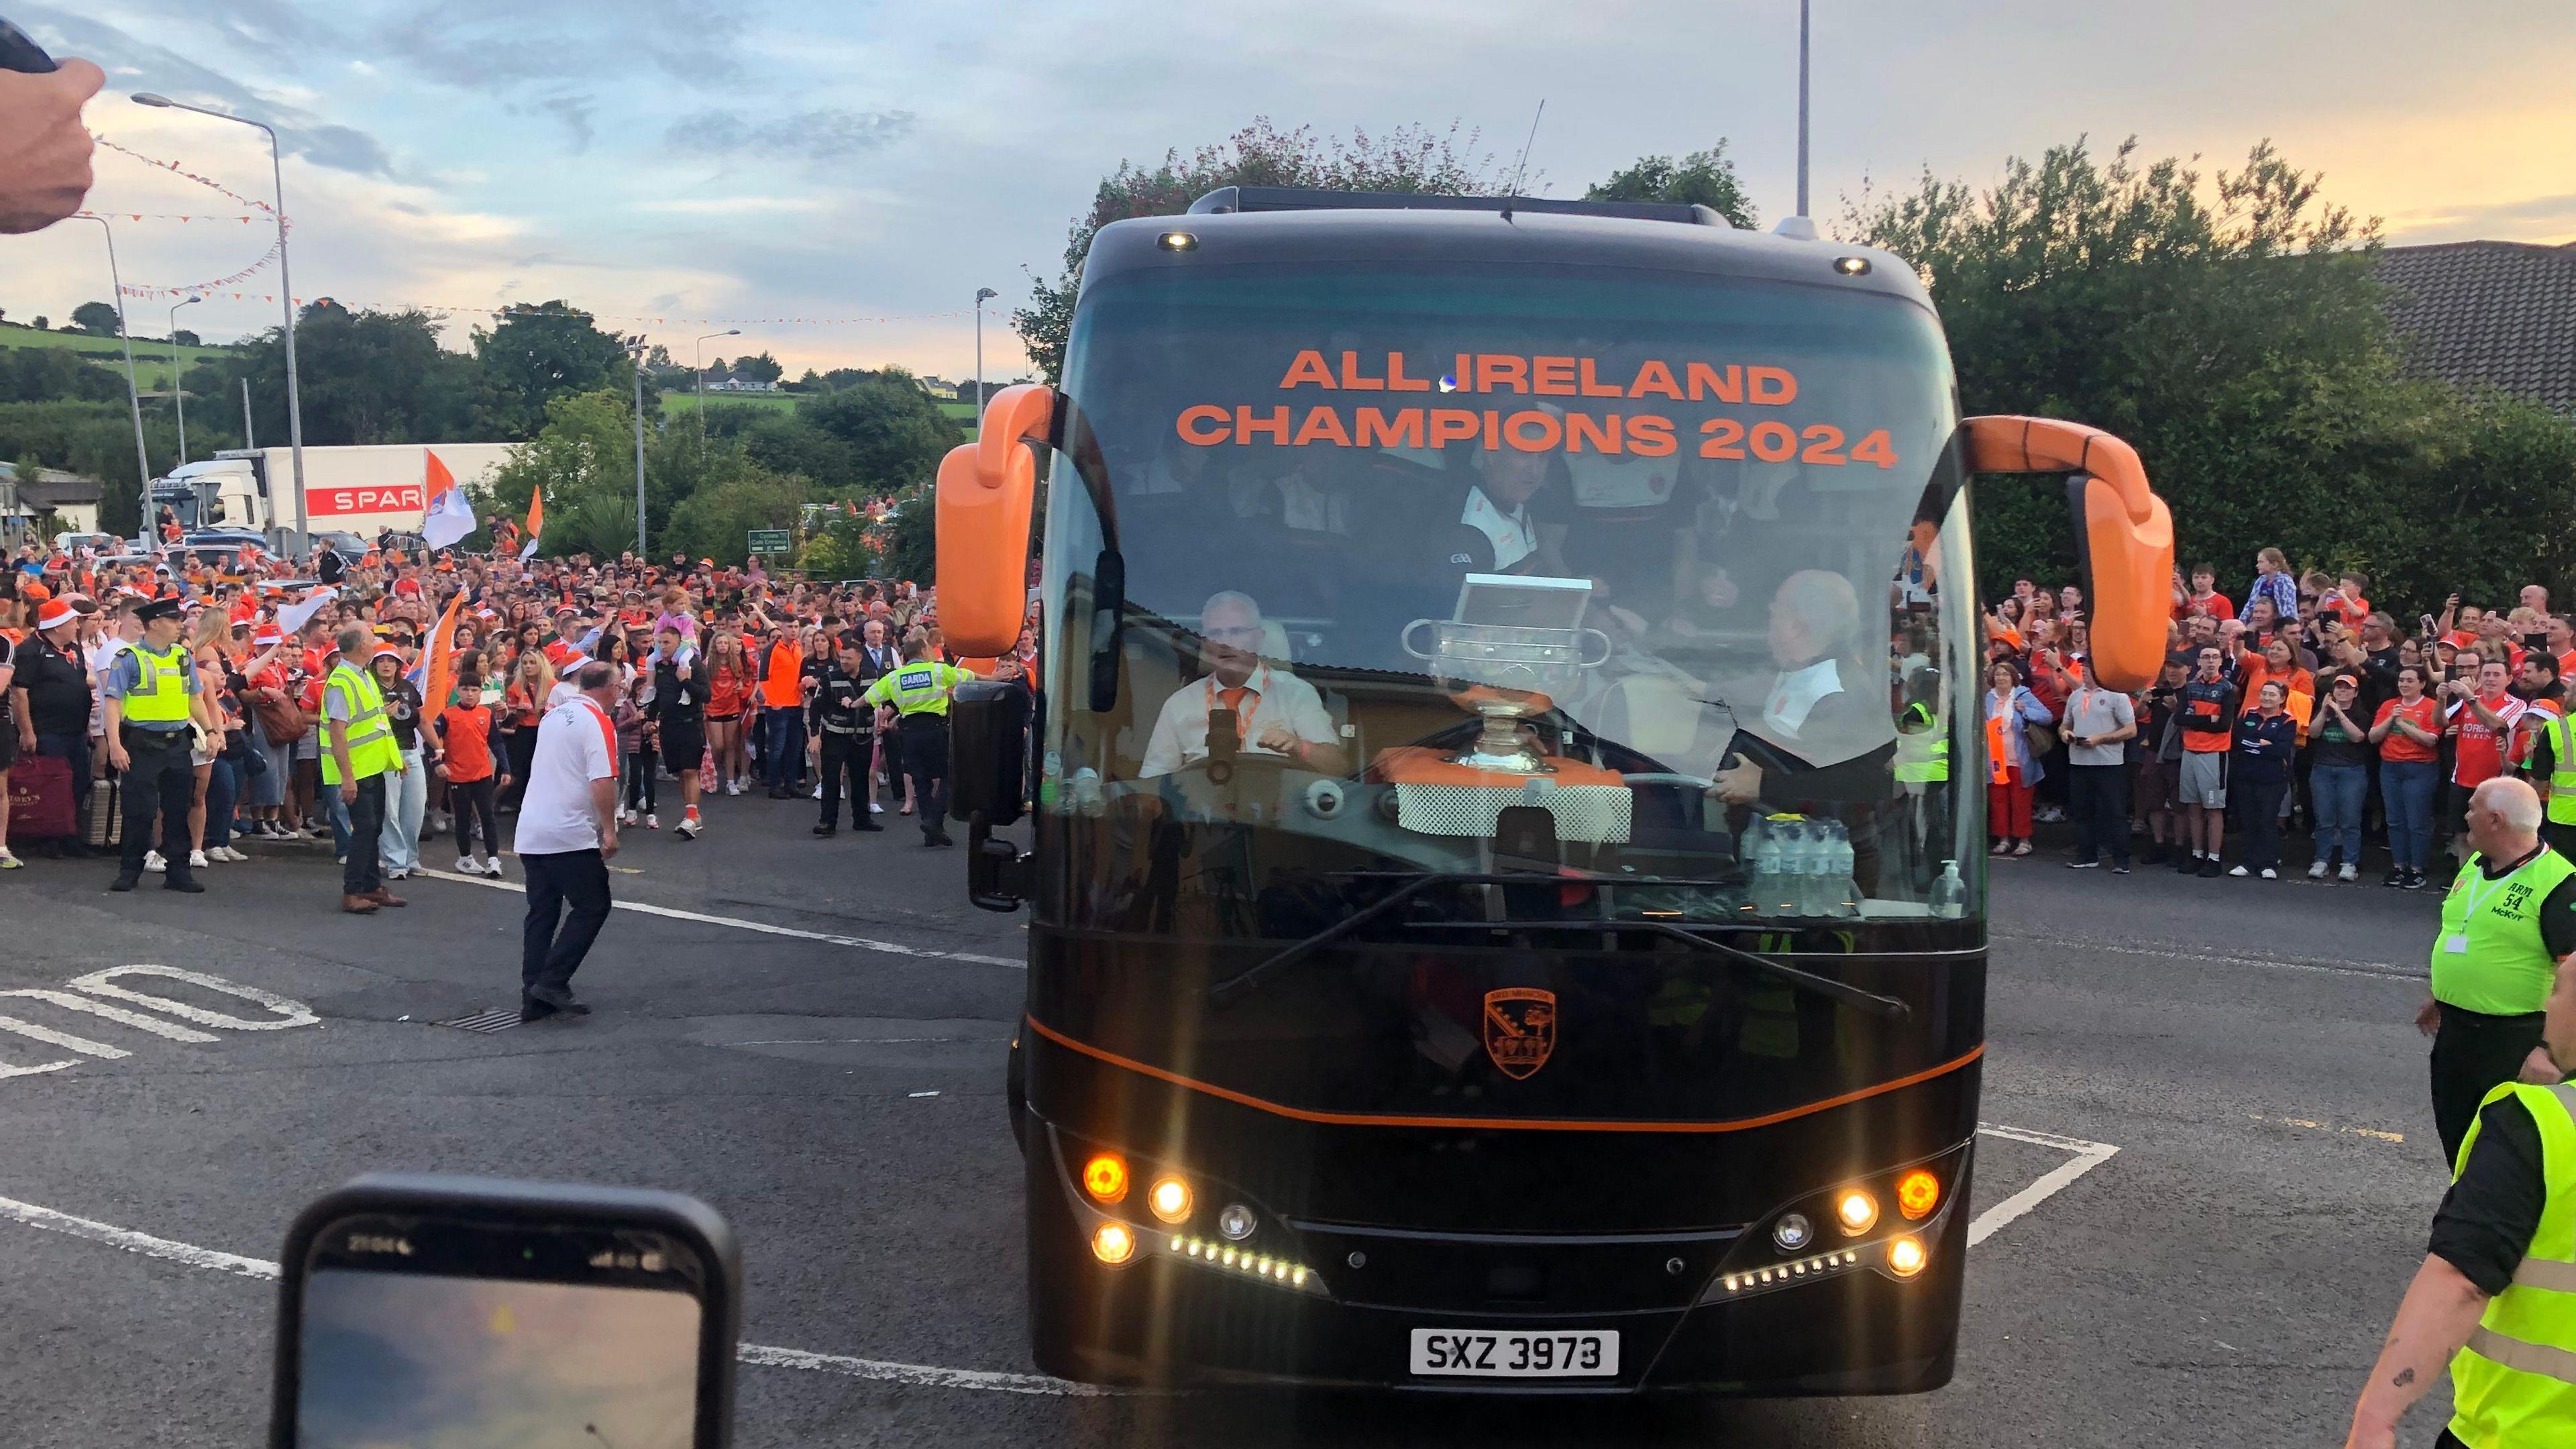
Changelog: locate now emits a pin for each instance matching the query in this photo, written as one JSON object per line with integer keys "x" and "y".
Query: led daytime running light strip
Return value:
{"x": 1772, "y": 1277}
{"x": 1242, "y": 1260}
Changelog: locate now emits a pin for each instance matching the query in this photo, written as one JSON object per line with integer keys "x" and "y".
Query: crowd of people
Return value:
{"x": 2294, "y": 708}
{"x": 233, "y": 681}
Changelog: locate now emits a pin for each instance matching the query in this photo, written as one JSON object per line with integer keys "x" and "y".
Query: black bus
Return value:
{"x": 1507, "y": 774}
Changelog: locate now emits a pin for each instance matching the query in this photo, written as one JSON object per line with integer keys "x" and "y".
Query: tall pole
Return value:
{"x": 133, "y": 397}
{"x": 179, "y": 394}
{"x": 635, "y": 349}
{"x": 1802, "y": 107}
{"x": 702, "y": 385}
{"x": 249, "y": 440}
{"x": 982, "y": 296}
{"x": 285, "y": 298}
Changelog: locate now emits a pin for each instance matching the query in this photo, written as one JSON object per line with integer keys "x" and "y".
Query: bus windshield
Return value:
{"x": 1642, "y": 576}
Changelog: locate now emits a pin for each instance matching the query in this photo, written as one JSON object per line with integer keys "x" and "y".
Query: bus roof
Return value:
{"x": 1363, "y": 228}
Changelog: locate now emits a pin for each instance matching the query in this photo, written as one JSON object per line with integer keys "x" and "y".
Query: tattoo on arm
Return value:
{"x": 2404, "y": 1377}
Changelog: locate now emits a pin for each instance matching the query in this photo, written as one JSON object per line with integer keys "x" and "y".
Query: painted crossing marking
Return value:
{"x": 863, "y": 943}
{"x": 2088, "y": 1156}
{"x": 920, "y": 1375}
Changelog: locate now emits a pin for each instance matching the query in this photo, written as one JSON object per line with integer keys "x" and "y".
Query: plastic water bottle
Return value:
{"x": 1949, "y": 893}
{"x": 1844, "y": 898}
{"x": 1088, "y": 796}
{"x": 1797, "y": 867}
{"x": 1753, "y": 853}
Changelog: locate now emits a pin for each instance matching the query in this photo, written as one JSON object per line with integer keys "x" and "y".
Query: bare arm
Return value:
{"x": 603, "y": 805}
{"x": 2434, "y": 1321}
{"x": 2488, "y": 717}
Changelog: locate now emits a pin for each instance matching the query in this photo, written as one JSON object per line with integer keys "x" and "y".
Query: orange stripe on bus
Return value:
{"x": 1500, "y": 1124}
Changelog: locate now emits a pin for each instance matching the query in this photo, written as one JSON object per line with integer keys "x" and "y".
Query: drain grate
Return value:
{"x": 501, "y": 1020}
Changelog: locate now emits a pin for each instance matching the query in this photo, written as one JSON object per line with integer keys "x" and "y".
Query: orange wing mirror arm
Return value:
{"x": 2124, "y": 530}
{"x": 986, "y": 489}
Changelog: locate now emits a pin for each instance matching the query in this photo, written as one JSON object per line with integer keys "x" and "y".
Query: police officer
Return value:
{"x": 919, "y": 693}
{"x": 2508, "y": 924}
{"x": 845, "y": 737}
{"x": 151, "y": 693}
{"x": 2496, "y": 1297}
{"x": 358, "y": 750}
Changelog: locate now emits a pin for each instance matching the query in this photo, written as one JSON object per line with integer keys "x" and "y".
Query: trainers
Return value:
{"x": 2415, "y": 879}
{"x": 2318, "y": 870}
{"x": 690, "y": 826}
{"x": 492, "y": 868}
{"x": 2119, "y": 870}
{"x": 226, "y": 854}
{"x": 2268, "y": 873}
{"x": 2349, "y": 873}
{"x": 153, "y": 862}
{"x": 875, "y": 809}
{"x": 2395, "y": 878}
{"x": 2238, "y": 871}
{"x": 652, "y": 821}
{"x": 2084, "y": 865}
{"x": 625, "y": 816}
{"x": 466, "y": 865}
{"x": 2188, "y": 864}
{"x": 10, "y": 862}
{"x": 196, "y": 860}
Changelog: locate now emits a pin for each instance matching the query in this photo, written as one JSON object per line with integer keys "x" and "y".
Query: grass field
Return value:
{"x": 681, "y": 404}
{"x": 151, "y": 359}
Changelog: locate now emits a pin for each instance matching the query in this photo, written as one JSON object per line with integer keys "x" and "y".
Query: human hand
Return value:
{"x": 44, "y": 149}
{"x": 117, "y": 756}
{"x": 2540, "y": 1069}
{"x": 2428, "y": 1017}
{"x": 348, "y": 792}
{"x": 1741, "y": 785}
{"x": 608, "y": 844}
{"x": 1277, "y": 739}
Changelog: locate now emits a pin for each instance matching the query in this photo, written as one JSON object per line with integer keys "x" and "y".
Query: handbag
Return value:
{"x": 281, "y": 720}
{"x": 2042, "y": 738}
{"x": 40, "y": 798}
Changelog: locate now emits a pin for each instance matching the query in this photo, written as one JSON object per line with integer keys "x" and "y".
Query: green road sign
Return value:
{"x": 769, "y": 540}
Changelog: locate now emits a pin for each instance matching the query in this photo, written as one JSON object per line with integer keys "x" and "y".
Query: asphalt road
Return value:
{"x": 2223, "y": 1279}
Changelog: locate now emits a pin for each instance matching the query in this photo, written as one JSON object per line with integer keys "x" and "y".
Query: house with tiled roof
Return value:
{"x": 2489, "y": 314}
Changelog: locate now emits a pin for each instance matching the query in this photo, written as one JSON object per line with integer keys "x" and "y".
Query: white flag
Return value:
{"x": 295, "y": 616}
{"x": 451, "y": 514}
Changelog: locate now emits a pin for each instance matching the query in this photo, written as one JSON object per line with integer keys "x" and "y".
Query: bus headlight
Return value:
{"x": 1857, "y": 1211}
{"x": 1917, "y": 1193}
{"x": 1236, "y": 1222}
{"x": 1113, "y": 1243}
{"x": 1105, "y": 1177}
{"x": 1792, "y": 1232}
{"x": 1169, "y": 1198}
{"x": 1906, "y": 1256}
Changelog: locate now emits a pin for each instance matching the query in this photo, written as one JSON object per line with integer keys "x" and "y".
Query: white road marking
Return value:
{"x": 2204, "y": 958}
{"x": 2088, "y": 1156}
{"x": 863, "y": 943}
{"x": 135, "y": 1019}
{"x": 918, "y": 1374}
{"x": 289, "y": 1012}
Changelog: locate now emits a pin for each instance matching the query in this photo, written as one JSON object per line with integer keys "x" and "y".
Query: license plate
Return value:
{"x": 1471, "y": 1353}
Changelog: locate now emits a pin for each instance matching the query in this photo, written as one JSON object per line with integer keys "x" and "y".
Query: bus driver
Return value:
{"x": 1275, "y": 712}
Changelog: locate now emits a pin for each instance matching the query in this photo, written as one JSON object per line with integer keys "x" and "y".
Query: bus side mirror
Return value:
{"x": 988, "y": 732}
{"x": 2123, "y": 532}
{"x": 986, "y": 489}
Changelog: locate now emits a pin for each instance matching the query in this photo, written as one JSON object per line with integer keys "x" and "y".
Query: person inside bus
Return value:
{"x": 1275, "y": 712}
{"x": 1821, "y": 733}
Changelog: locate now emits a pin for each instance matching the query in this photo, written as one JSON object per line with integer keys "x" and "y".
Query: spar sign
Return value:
{"x": 327, "y": 502}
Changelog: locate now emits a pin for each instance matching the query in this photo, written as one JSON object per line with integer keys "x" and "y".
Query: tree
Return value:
{"x": 792, "y": 443}
{"x": 47, "y": 374}
{"x": 185, "y": 338}
{"x": 43, "y": 322}
{"x": 763, "y": 368}
{"x": 896, "y": 435}
{"x": 716, "y": 521}
{"x": 908, "y": 541}
{"x": 2235, "y": 334}
{"x": 584, "y": 458}
{"x": 1702, "y": 178}
{"x": 364, "y": 377}
{"x": 1413, "y": 159}
{"x": 98, "y": 319}
{"x": 536, "y": 354}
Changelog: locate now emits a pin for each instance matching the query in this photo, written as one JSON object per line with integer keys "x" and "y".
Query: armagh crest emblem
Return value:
{"x": 1520, "y": 1029}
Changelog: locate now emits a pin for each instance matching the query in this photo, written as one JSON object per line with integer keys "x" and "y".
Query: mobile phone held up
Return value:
{"x": 420, "y": 1309}
{"x": 18, "y": 53}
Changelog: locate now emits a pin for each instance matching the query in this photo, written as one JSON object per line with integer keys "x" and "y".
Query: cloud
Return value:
{"x": 829, "y": 134}
{"x": 575, "y": 112}
{"x": 501, "y": 45}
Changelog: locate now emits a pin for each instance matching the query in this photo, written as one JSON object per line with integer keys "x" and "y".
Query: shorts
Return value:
{"x": 2203, "y": 779}
{"x": 723, "y": 718}
{"x": 2455, "y": 809}
{"x": 8, "y": 743}
{"x": 683, "y": 744}
{"x": 2159, "y": 786}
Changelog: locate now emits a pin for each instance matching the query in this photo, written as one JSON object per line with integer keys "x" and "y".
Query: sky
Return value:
{"x": 684, "y": 166}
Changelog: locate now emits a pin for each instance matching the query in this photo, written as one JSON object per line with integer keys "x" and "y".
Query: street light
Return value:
{"x": 133, "y": 399}
{"x": 702, "y": 384}
{"x": 635, "y": 349}
{"x": 982, "y": 296}
{"x": 285, "y": 298}
{"x": 179, "y": 394}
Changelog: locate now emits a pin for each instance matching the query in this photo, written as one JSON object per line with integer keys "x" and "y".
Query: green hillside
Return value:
{"x": 685, "y": 402}
{"x": 151, "y": 359}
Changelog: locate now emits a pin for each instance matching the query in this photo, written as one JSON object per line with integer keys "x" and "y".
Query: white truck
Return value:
{"x": 358, "y": 490}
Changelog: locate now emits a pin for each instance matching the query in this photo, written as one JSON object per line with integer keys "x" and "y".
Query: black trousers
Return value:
{"x": 2098, "y": 797}
{"x": 2473, "y": 1053}
{"x": 548, "y": 956}
{"x": 473, "y": 802}
{"x": 363, "y": 872}
{"x": 925, "y": 763}
{"x": 159, "y": 779}
{"x": 2257, "y": 804}
{"x": 845, "y": 761}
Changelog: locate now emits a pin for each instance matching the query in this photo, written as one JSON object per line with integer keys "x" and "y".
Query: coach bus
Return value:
{"x": 1507, "y": 788}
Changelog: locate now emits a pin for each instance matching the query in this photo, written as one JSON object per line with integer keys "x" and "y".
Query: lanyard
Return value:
{"x": 2477, "y": 897}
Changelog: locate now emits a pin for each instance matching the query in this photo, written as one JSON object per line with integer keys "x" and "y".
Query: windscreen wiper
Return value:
{"x": 1234, "y": 987}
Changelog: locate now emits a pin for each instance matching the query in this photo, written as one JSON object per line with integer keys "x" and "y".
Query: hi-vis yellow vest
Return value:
{"x": 371, "y": 739}
{"x": 2562, "y": 770}
{"x": 161, "y": 696}
{"x": 2514, "y": 1385}
{"x": 2490, "y": 956}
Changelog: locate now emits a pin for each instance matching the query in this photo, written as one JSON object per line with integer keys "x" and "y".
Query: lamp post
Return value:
{"x": 1802, "y": 107}
{"x": 285, "y": 298}
{"x": 982, "y": 296}
{"x": 250, "y": 439}
{"x": 133, "y": 398}
{"x": 179, "y": 394}
{"x": 702, "y": 384}
{"x": 635, "y": 349}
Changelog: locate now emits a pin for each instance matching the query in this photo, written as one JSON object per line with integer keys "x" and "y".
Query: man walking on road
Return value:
{"x": 2508, "y": 927}
{"x": 2495, "y": 1300}
{"x": 567, "y": 834}
{"x": 919, "y": 693}
{"x": 358, "y": 751}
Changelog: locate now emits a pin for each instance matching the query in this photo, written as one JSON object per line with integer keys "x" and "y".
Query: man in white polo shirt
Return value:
{"x": 567, "y": 833}
{"x": 1275, "y": 712}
